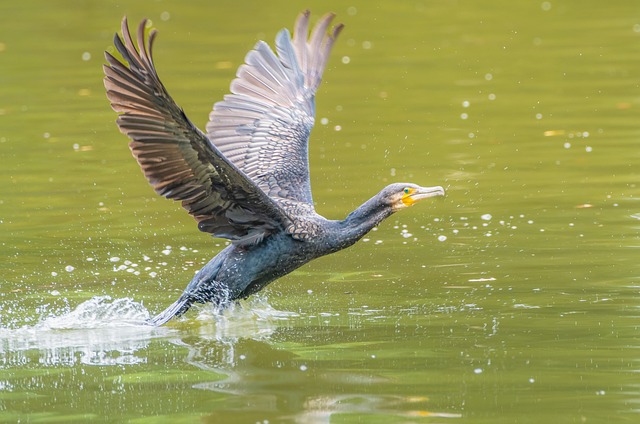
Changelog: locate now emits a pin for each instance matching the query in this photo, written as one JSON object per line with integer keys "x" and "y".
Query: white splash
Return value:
{"x": 254, "y": 319}
{"x": 98, "y": 332}
{"x": 99, "y": 312}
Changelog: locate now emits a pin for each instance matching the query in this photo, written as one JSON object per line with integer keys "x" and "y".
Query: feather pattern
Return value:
{"x": 263, "y": 126}
{"x": 177, "y": 158}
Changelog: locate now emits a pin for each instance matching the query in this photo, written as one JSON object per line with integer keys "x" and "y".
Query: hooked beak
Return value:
{"x": 422, "y": 193}
{"x": 426, "y": 192}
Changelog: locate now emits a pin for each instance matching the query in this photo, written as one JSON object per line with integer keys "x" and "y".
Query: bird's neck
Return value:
{"x": 361, "y": 221}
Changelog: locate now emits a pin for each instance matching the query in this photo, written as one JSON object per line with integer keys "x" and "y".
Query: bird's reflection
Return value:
{"x": 269, "y": 381}
{"x": 257, "y": 357}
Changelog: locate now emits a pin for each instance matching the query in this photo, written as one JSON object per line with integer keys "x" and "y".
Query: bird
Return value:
{"x": 246, "y": 179}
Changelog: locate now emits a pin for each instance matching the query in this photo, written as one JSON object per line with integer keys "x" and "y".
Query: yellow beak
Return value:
{"x": 421, "y": 193}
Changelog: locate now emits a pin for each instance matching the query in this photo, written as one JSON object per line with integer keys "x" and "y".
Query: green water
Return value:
{"x": 513, "y": 299}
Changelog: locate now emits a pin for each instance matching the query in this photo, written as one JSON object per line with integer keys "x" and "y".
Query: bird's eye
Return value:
{"x": 406, "y": 190}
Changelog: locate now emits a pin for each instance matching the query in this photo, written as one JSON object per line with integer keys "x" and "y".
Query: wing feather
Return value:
{"x": 263, "y": 126}
{"x": 177, "y": 158}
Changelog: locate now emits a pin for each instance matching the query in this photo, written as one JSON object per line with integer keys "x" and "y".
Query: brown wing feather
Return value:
{"x": 176, "y": 157}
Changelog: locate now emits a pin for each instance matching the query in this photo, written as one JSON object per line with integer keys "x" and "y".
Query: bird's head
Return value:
{"x": 403, "y": 195}
{"x": 390, "y": 199}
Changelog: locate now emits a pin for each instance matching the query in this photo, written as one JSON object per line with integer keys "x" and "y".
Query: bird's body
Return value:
{"x": 247, "y": 179}
{"x": 240, "y": 271}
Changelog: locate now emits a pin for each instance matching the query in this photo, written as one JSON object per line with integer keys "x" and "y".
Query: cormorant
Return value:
{"x": 247, "y": 178}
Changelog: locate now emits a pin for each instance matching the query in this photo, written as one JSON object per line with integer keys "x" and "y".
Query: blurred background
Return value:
{"x": 513, "y": 299}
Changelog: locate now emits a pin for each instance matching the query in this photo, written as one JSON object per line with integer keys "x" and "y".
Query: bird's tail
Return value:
{"x": 214, "y": 293}
{"x": 176, "y": 309}
{"x": 203, "y": 288}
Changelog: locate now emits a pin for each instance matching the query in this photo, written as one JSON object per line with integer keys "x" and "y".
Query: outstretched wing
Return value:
{"x": 263, "y": 126}
{"x": 176, "y": 157}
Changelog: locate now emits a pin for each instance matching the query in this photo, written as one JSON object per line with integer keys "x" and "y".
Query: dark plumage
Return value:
{"x": 247, "y": 178}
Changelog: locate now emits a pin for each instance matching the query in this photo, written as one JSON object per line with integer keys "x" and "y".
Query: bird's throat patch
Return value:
{"x": 407, "y": 200}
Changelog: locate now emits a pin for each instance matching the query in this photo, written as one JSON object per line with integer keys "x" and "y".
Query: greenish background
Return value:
{"x": 513, "y": 299}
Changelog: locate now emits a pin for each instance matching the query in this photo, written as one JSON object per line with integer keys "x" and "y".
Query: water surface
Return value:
{"x": 513, "y": 299}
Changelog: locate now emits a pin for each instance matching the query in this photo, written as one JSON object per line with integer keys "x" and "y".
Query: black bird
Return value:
{"x": 247, "y": 178}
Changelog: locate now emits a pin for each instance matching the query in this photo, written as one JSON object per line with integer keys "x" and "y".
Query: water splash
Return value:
{"x": 99, "y": 312}
{"x": 99, "y": 331}
{"x": 254, "y": 318}
{"x": 106, "y": 331}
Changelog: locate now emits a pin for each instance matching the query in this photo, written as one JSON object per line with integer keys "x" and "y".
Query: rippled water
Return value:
{"x": 513, "y": 299}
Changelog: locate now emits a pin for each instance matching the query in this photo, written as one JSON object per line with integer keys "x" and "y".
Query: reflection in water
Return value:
{"x": 105, "y": 332}
{"x": 254, "y": 319}
{"x": 236, "y": 352}
{"x": 260, "y": 371}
